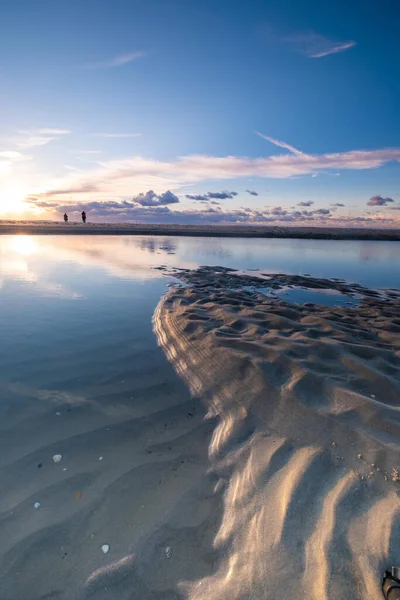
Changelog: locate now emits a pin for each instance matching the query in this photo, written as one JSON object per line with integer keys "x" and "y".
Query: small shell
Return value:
{"x": 37, "y": 505}
{"x": 168, "y": 551}
{"x": 105, "y": 548}
{"x": 57, "y": 458}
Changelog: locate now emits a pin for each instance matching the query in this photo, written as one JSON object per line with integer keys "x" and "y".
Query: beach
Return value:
{"x": 245, "y": 231}
{"x": 200, "y": 300}
{"x": 196, "y": 434}
{"x": 306, "y": 443}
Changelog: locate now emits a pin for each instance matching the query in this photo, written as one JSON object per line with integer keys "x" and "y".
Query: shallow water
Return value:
{"x": 367, "y": 262}
{"x": 67, "y": 320}
{"x": 93, "y": 292}
{"x": 327, "y": 297}
{"x": 81, "y": 375}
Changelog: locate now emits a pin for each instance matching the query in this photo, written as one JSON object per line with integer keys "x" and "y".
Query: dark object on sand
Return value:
{"x": 83, "y": 216}
{"x": 391, "y": 584}
{"x": 65, "y": 218}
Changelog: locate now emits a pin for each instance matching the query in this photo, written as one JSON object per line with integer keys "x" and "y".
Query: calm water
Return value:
{"x": 77, "y": 309}
{"x": 80, "y": 370}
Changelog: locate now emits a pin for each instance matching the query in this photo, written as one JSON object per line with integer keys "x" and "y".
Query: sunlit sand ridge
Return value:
{"x": 306, "y": 446}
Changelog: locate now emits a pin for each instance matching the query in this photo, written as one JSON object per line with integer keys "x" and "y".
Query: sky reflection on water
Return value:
{"x": 47, "y": 258}
{"x": 77, "y": 311}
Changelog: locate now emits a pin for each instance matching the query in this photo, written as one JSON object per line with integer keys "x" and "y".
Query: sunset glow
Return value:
{"x": 288, "y": 115}
{"x": 24, "y": 245}
{"x": 12, "y": 199}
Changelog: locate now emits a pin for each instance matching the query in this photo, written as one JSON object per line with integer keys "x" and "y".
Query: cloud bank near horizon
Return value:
{"x": 150, "y": 207}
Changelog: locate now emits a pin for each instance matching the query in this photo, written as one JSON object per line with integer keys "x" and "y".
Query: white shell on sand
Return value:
{"x": 105, "y": 548}
{"x": 37, "y": 505}
{"x": 168, "y": 551}
{"x": 57, "y": 458}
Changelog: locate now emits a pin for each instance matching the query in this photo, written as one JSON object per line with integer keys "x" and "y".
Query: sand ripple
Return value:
{"x": 307, "y": 401}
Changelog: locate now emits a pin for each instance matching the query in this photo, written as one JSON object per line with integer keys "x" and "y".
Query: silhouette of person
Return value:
{"x": 83, "y": 216}
{"x": 65, "y": 218}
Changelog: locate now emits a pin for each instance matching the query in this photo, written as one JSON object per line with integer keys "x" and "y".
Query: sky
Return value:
{"x": 201, "y": 111}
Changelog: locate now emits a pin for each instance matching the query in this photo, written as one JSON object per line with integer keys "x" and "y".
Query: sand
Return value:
{"x": 133, "y": 476}
{"x": 306, "y": 445}
{"x": 266, "y": 467}
{"x": 257, "y": 231}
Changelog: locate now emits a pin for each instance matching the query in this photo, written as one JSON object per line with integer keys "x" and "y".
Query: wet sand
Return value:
{"x": 307, "y": 450}
{"x": 122, "y": 465}
{"x": 266, "y": 467}
{"x": 255, "y": 231}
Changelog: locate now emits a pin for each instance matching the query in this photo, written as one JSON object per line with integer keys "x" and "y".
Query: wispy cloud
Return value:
{"x": 327, "y": 173}
{"x": 315, "y": 45}
{"x": 334, "y": 49}
{"x": 38, "y": 137}
{"x": 279, "y": 143}
{"x": 118, "y": 61}
{"x": 49, "y": 131}
{"x": 32, "y": 141}
{"x": 252, "y": 192}
{"x": 118, "y": 135}
{"x": 8, "y": 158}
{"x": 10, "y": 154}
{"x": 121, "y": 176}
{"x": 307, "y": 203}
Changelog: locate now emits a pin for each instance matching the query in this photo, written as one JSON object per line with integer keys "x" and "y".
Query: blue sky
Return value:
{"x": 103, "y": 101}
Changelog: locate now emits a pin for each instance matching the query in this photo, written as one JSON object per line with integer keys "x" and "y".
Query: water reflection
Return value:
{"x": 24, "y": 244}
{"x": 157, "y": 245}
{"x": 374, "y": 264}
{"x": 327, "y": 297}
